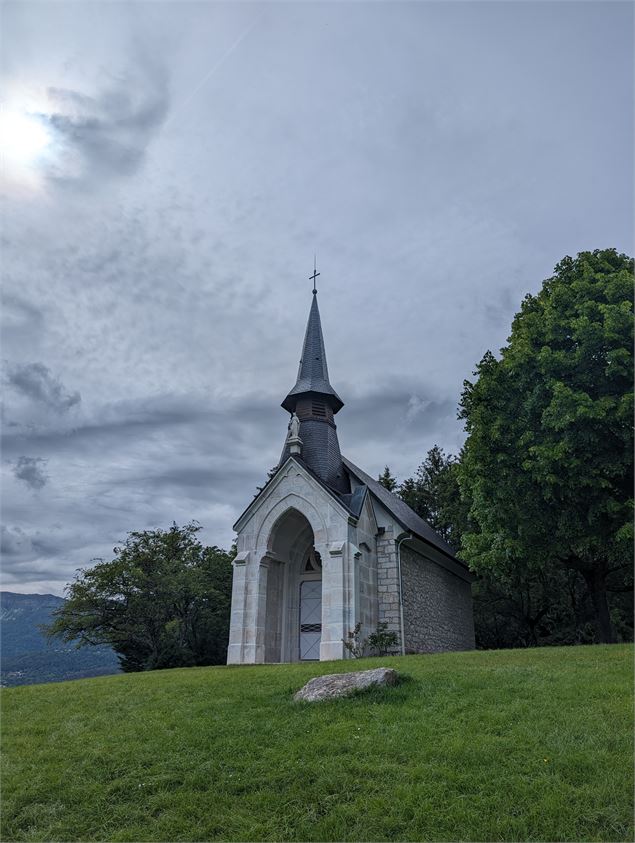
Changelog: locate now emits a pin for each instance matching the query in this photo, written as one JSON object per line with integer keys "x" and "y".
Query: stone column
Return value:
{"x": 334, "y": 608}
{"x": 255, "y": 611}
{"x": 261, "y": 611}
{"x": 388, "y": 582}
{"x": 235, "y": 654}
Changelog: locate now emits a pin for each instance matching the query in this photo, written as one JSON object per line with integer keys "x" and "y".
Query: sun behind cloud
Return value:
{"x": 25, "y": 143}
{"x": 23, "y": 138}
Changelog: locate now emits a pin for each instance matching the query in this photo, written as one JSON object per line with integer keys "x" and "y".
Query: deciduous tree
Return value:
{"x": 548, "y": 463}
{"x": 163, "y": 601}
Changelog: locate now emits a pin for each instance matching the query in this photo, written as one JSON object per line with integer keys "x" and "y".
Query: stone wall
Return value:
{"x": 388, "y": 581}
{"x": 437, "y": 606}
{"x": 363, "y": 536}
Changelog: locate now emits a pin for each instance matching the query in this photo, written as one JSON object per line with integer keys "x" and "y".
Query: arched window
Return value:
{"x": 313, "y": 561}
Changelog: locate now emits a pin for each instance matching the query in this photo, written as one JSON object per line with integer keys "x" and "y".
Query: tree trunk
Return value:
{"x": 595, "y": 579}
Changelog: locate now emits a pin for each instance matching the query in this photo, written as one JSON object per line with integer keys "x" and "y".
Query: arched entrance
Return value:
{"x": 293, "y": 616}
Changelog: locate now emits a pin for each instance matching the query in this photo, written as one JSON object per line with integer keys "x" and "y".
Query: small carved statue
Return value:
{"x": 294, "y": 427}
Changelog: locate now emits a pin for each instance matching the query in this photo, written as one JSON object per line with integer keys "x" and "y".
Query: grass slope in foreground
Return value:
{"x": 499, "y": 745}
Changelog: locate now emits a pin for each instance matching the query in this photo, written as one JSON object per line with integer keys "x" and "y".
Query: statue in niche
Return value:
{"x": 294, "y": 427}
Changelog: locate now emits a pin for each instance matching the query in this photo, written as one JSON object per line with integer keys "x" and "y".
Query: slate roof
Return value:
{"x": 353, "y": 502}
{"x": 313, "y": 373}
{"x": 321, "y": 452}
{"x": 400, "y": 510}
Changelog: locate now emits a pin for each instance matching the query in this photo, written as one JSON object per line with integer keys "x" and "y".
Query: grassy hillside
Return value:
{"x": 505, "y": 745}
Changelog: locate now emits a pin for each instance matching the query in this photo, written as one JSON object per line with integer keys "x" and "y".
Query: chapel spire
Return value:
{"x": 313, "y": 373}
{"x": 314, "y": 401}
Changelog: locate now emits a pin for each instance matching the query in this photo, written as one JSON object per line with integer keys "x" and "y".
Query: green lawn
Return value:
{"x": 505, "y": 745}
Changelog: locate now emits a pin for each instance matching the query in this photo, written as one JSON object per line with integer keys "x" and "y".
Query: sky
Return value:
{"x": 169, "y": 170}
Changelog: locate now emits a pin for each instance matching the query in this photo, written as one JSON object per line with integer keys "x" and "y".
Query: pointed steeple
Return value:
{"x": 313, "y": 373}
{"x": 314, "y": 401}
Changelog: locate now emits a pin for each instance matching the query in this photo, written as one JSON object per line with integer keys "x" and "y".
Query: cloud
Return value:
{"x": 14, "y": 542}
{"x": 19, "y": 314}
{"x": 106, "y": 135}
{"x": 35, "y": 381}
{"x": 28, "y": 555}
{"x": 175, "y": 301}
{"x": 31, "y": 470}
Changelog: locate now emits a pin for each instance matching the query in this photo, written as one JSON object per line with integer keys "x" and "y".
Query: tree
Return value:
{"x": 163, "y": 601}
{"x": 433, "y": 493}
{"x": 387, "y": 480}
{"x": 548, "y": 462}
{"x": 270, "y": 474}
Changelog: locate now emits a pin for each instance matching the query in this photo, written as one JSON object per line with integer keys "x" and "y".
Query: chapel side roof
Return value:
{"x": 406, "y": 516}
{"x": 313, "y": 373}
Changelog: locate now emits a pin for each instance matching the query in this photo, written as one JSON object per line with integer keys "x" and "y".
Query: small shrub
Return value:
{"x": 380, "y": 642}
{"x": 383, "y": 640}
{"x": 353, "y": 643}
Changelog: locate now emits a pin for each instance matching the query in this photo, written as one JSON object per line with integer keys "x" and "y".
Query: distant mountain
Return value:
{"x": 27, "y": 657}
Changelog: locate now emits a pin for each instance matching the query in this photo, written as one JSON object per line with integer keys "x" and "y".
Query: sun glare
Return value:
{"x": 22, "y": 138}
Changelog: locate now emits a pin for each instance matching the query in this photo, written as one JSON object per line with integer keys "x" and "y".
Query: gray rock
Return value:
{"x": 343, "y": 684}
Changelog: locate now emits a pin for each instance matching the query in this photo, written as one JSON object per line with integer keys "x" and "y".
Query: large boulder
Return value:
{"x": 343, "y": 684}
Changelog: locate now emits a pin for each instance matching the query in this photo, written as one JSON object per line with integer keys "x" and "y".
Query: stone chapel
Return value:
{"x": 324, "y": 546}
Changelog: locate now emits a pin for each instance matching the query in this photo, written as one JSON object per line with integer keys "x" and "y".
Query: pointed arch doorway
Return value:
{"x": 293, "y": 619}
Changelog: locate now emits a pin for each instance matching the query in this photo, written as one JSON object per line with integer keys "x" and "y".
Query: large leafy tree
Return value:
{"x": 548, "y": 463}
{"x": 163, "y": 601}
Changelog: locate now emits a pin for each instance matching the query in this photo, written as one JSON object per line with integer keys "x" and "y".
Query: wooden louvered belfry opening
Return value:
{"x": 313, "y": 408}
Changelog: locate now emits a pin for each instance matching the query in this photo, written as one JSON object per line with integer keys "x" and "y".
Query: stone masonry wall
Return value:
{"x": 437, "y": 606}
{"x": 388, "y": 581}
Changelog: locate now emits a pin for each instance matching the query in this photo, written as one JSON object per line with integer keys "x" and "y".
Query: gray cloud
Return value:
{"x": 35, "y": 381}
{"x": 14, "y": 542}
{"x": 106, "y": 135}
{"x": 27, "y": 556}
{"x": 174, "y": 297}
{"x": 32, "y": 471}
{"x": 19, "y": 314}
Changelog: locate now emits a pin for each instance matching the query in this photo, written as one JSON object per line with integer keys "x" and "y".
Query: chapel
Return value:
{"x": 324, "y": 546}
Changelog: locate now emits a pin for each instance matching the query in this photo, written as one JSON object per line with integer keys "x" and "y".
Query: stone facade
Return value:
{"x": 360, "y": 571}
{"x": 325, "y": 548}
{"x": 275, "y": 535}
{"x": 437, "y": 606}
{"x": 388, "y": 581}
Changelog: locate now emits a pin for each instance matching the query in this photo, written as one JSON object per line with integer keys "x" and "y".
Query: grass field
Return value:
{"x": 505, "y": 745}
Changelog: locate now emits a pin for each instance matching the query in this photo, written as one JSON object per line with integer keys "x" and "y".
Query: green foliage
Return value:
{"x": 270, "y": 474}
{"x": 354, "y": 643}
{"x": 548, "y": 464}
{"x": 433, "y": 493}
{"x": 163, "y": 601}
{"x": 380, "y": 643}
{"x": 383, "y": 641}
{"x": 500, "y": 745}
{"x": 387, "y": 480}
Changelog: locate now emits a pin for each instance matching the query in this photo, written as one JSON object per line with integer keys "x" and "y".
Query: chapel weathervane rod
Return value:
{"x": 315, "y": 275}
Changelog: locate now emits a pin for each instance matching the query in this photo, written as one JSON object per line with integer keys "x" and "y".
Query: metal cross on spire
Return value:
{"x": 315, "y": 275}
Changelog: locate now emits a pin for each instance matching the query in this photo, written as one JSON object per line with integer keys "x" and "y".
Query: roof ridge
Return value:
{"x": 403, "y": 513}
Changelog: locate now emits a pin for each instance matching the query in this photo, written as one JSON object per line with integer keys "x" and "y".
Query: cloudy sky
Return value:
{"x": 169, "y": 170}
